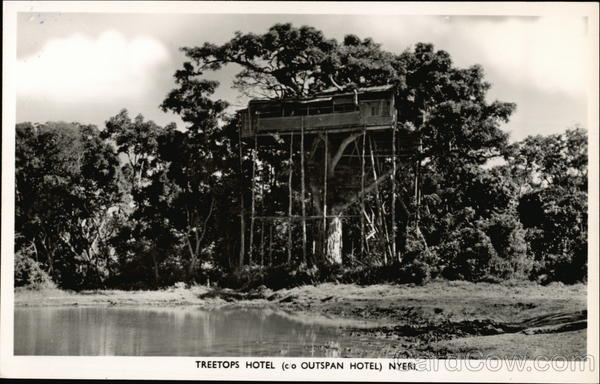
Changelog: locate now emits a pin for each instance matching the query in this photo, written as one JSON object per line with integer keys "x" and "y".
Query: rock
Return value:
{"x": 262, "y": 292}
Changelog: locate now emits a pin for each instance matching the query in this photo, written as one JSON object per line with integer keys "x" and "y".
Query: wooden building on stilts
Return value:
{"x": 351, "y": 164}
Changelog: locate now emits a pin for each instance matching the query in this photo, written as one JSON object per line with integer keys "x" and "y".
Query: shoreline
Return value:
{"x": 441, "y": 318}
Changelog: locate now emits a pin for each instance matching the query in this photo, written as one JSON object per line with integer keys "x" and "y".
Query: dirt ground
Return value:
{"x": 440, "y": 319}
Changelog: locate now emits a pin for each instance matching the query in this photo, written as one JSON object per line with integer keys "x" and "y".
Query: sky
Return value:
{"x": 86, "y": 67}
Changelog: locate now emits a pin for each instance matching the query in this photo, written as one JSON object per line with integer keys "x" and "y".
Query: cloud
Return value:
{"x": 547, "y": 53}
{"x": 79, "y": 69}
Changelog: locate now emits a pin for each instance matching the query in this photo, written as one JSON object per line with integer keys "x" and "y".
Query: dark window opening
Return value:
{"x": 385, "y": 108}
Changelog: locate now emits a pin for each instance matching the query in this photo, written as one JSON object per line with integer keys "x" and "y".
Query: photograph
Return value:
{"x": 373, "y": 191}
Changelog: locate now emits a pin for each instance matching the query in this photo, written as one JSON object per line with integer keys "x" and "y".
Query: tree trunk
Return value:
{"x": 192, "y": 270}
{"x": 155, "y": 264}
{"x": 334, "y": 241}
{"x": 192, "y": 265}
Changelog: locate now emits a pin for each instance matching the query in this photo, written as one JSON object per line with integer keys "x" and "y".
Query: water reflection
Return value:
{"x": 173, "y": 332}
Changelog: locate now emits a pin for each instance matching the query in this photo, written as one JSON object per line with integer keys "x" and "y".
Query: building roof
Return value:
{"x": 327, "y": 94}
{"x": 374, "y": 89}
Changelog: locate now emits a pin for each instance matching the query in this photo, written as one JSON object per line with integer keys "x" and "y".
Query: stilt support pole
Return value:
{"x": 363, "y": 239}
{"x": 290, "y": 202}
{"x": 253, "y": 204}
{"x": 325, "y": 175}
{"x": 303, "y": 190}
{"x": 394, "y": 169}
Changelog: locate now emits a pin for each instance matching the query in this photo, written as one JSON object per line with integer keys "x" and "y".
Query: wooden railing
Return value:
{"x": 318, "y": 122}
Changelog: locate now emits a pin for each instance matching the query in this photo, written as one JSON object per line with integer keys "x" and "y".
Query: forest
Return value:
{"x": 134, "y": 205}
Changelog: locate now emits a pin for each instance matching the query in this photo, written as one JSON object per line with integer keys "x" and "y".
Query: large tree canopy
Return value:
{"x": 67, "y": 181}
{"x": 447, "y": 104}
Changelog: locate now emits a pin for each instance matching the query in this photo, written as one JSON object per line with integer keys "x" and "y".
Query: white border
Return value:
{"x": 184, "y": 367}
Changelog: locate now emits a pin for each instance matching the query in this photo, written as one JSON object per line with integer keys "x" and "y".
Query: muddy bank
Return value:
{"x": 443, "y": 319}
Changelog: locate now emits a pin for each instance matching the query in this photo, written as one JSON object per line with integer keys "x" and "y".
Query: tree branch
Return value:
{"x": 210, "y": 210}
{"x": 339, "y": 87}
{"x": 338, "y": 155}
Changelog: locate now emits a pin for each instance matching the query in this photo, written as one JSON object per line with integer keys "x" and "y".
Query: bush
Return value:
{"x": 508, "y": 239}
{"x": 29, "y": 273}
{"x": 329, "y": 272}
{"x": 372, "y": 274}
{"x": 558, "y": 238}
{"x": 275, "y": 277}
{"x": 419, "y": 258}
{"x": 417, "y": 272}
{"x": 470, "y": 254}
{"x": 566, "y": 267}
{"x": 411, "y": 270}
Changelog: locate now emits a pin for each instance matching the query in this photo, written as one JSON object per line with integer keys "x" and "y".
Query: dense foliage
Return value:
{"x": 139, "y": 205}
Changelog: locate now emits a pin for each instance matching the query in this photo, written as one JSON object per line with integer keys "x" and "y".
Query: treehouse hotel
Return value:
{"x": 343, "y": 145}
{"x": 334, "y": 111}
